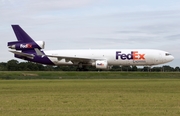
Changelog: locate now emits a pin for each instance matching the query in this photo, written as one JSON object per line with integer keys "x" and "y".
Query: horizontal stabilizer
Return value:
{"x": 31, "y": 56}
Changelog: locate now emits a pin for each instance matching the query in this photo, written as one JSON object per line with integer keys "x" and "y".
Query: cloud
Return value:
{"x": 26, "y": 11}
{"x": 173, "y": 37}
{"x": 57, "y": 4}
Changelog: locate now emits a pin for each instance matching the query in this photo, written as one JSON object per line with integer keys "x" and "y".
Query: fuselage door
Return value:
{"x": 158, "y": 59}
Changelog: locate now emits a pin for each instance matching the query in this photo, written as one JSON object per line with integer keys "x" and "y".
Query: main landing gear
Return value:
{"x": 81, "y": 67}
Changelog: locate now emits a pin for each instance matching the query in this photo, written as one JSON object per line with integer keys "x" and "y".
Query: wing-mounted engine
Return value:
{"x": 26, "y": 46}
{"x": 101, "y": 64}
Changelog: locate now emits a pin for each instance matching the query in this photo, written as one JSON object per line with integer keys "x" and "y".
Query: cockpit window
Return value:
{"x": 167, "y": 54}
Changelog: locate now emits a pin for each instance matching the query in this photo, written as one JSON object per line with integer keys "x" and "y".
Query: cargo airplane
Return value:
{"x": 28, "y": 49}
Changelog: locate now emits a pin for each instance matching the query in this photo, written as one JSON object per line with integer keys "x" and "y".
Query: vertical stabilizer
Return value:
{"x": 24, "y": 41}
{"x": 21, "y": 35}
{"x": 26, "y": 48}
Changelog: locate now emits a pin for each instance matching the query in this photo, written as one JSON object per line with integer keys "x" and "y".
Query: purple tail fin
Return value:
{"x": 21, "y": 34}
{"x": 25, "y": 42}
{"x": 26, "y": 48}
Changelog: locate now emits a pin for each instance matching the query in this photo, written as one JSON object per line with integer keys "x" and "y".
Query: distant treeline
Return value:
{"x": 14, "y": 65}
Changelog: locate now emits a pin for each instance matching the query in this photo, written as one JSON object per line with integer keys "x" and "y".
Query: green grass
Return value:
{"x": 90, "y": 97}
{"x": 86, "y": 75}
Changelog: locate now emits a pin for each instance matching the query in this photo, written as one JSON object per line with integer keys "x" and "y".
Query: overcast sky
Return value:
{"x": 76, "y": 24}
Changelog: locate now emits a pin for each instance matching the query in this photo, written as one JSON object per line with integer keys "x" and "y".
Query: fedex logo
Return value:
{"x": 25, "y": 46}
{"x": 100, "y": 64}
{"x": 134, "y": 55}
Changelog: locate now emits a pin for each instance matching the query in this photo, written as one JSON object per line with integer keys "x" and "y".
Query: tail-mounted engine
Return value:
{"x": 26, "y": 46}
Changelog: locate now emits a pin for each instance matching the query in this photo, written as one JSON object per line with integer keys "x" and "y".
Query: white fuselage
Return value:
{"x": 139, "y": 57}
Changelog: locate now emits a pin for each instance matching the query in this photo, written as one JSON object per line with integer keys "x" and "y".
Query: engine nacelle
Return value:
{"x": 41, "y": 44}
{"x": 28, "y": 46}
{"x": 101, "y": 64}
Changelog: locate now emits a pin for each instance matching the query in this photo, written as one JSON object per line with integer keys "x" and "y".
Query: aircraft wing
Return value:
{"x": 31, "y": 56}
{"x": 75, "y": 59}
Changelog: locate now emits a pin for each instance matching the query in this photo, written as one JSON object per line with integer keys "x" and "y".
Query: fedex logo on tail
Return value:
{"x": 25, "y": 46}
{"x": 134, "y": 55}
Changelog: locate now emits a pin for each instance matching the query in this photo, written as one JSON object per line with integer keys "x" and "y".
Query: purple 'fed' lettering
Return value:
{"x": 132, "y": 56}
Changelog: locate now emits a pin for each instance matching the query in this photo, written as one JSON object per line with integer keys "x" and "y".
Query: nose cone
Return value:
{"x": 170, "y": 58}
{"x": 167, "y": 57}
